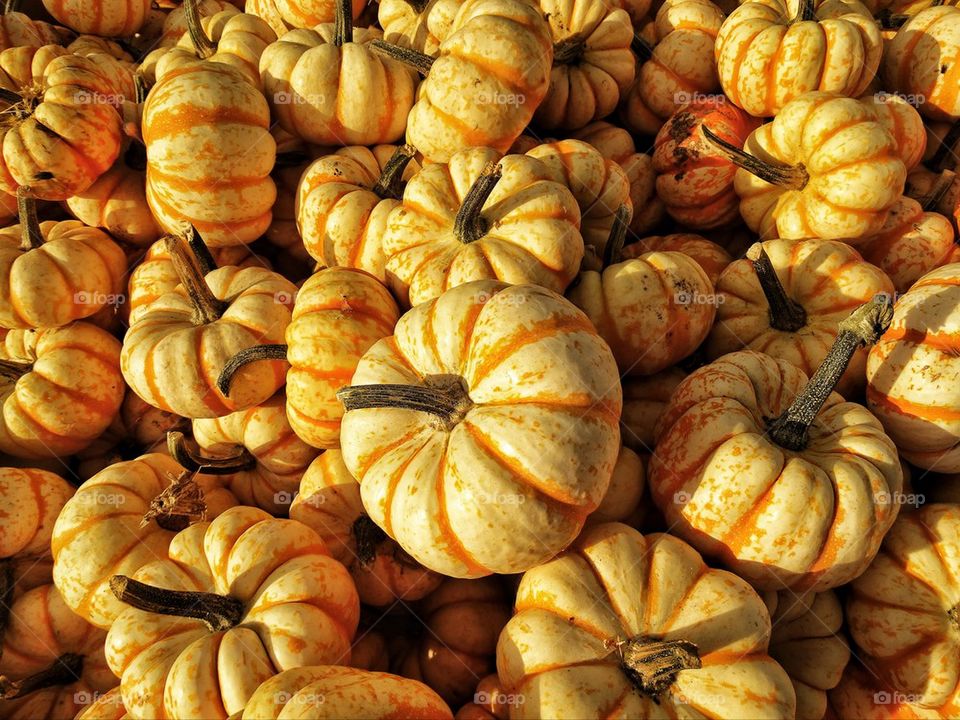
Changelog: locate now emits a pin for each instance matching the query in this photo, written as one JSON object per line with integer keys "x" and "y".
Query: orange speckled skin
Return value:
{"x": 644, "y": 400}
{"x": 19, "y": 30}
{"x": 69, "y": 396}
{"x": 652, "y": 310}
{"x": 828, "y": 279}
{"x": 711, "y": 258}
{"x": 404, "y": 26}
{"x": 614, "y": 584}
{"x": 300, "y": 608}
{"x": 811, "y": 519}
{"x": 912, "y": 372}
{"x": 897, "y": 610}
{"x": 339, "y": 314}
{"x": 903, "y": 122}
{"x": 108, "y": 506}
{"x": 106, "y": 706}
{"x": 332, "y": 692}
{"x": 175, "y": 22}
{"x": 533, "y": 228}
{"x": 109, "y": 18}
{"x": 858, "y": 693}
{"x": 174, "y": 364}
{"x": 855, "y": 171}
{"x": 765, "y": 60}
{"x": 41, "y": 629}
{"x": 500, "y": 51}
{"x": 329, "y": 502}
{"x": 535, "y": 451}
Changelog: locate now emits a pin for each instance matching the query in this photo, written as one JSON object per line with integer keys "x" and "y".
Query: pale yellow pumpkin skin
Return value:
{"x": 109, "y": 18}
{"x": 424, "y": 31}
{"x": 614, "y": 584}
{"x": 913, "y": 371}
{"x": 807, "y": 520}
{"x": 535, "y": 454}
{"x": 712, "y": 258}
{"x": 299, "y": 608}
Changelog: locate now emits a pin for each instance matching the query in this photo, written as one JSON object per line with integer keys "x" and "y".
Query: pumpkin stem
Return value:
{"x": 218, "y": 612}
{"x": 367, "y": 535}
{"x": 245, "y": 357}
{"x": 11, "y": 6}
{"x": 641, "y": 48}
{"x": 201, "y": 43}
{"x": 10, "y": 96}
{"x": 194, "y": 461}
{"x": 12, "y": 371}
{"x": 470, "y": 225}
{"x": 653, "y": 665}
{"x": 30, "y": 236}
{"x": 794, "y": 177}
{"x": 805, "y": 12}
{"x": 444, "y": 396}
{"x": 785, "y": 313}
{"x": 179, "y": 505}
{"x": 140, "y": 88}
{"x": 569, "y": 51}
{"x": 421, "y": 62}
{"x": 343, "y": 23}
{"x": 207, "y": 308}
{"x": 863, "y": 326}
{"x": 944, "y": 151}
{"x": 613, "y": 250}
{"x": 940, "y": 188}
{"x": 65, "y": 670}
{"x": 200, "y": 251}
{"x": 390, "y": 183}
{"x": 891, "y": 21}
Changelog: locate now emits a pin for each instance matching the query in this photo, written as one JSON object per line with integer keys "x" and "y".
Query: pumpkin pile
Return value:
{"x": 479, "y": 359}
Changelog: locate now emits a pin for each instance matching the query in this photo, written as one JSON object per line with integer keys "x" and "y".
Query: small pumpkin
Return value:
{"x": 283, "y": 234}
{"x": 109, "y": 18}
{"x": 712, "y": 258}
{"x": 490, "y": 702}
{"x": 645, "y": 397}
{"x": 417, "y": 24}
{"x": 175, "y": 22}
{"x": 623, "y": 501}
{"x": 237, "y": 601}
{"x": 20, "y": 30}
{"x": 284, "y": 15}
{"x": 903, "y": 122}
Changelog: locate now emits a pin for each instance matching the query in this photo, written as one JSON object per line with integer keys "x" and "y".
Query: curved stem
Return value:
{"x": 11, "y": 371}
{"x": 10, "y": 96}
{"x": 944, "y": 151}
{"x": 201, "y": 43}
{"x": 653, "y": 665}
{"x": 785, "y": 313}
{"x": 218, "y": 612}
{"x": 192, "y": 460}
{"x": 390, "y": 183}
{"x": 343, "y": 23}
{"x": 940, "y": 188}
{"x": 180, "y": 505}
{"x": 367, "y": 535}
{"x": 245, "y": 357}
{"x": 200, "y": 251}
{"x": 569, "y": 50}
{"x": 441, "y": 395}
{"x": 469, "y": 224}
{"x": 421, "y": 62}
{"x": 864, "y": 326}
{"x": 641, "y": 48}
{"x": 207, "y": 308}
{"x": 30, "y": 236}
{"x": 805, "y": 12}
{"x": 613, "y": 250}
{"x": 65, "y": 670}
{"x": 793, "y": 177}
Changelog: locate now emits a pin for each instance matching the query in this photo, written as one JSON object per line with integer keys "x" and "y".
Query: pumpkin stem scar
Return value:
{"x": 12, "y": 371}
{"x": 940, "y": 188}
{"x": 201, "y": 43}
{"x": 245, "y": 357}
{"x": 218, "y": 612}
{"x": 944, "y": 152}
{"x": 469, "y": 225}
{"x": 569, "y": 50}
{"x": 421, "y": 62}
{"x": 613, "y": 250}
{"x": 65, "y": 670}
{"x": 792, "y": 177}
{"x": 418, "y": 6}
{"x": 641, "y": 48}
{"x": 653, "y": 665}
{"x": 785, "y": 313}
{"x": 191, "y": 459}
{"x": 863, "y": 326}
{"x": 390, "y": 183}
{"x": 30, "y": 236}
{"x": 805, "y": 12}
{"x": 444, "y": 396}
{"x": 367, "y": 535}
{"x": 180, "y": 504}
{"x": 343, "y": 23}
{"x": 207, "y": 308}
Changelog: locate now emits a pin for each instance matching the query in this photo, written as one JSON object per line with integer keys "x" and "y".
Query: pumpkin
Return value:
{"x": 806, "y": 641}
{"x": 363, "y": 100}
{"x": 283, "y": 15}
{"x": 331, "y": 691}
{"x": 652, "y": 310}
{"x": 283, "y": 234}
{"x": 598, "y": 184}
{"x": 104, "y": 706}
{"x": 369, "y": 650}
{"x": 175, "y": 350}
{"x": 112, "y": 504}
{"x": 903, "y": 611}
{"x": 764, "y": 438}
{"x": 937, "y": 191}
{"x": 343, "y": 202}
{"x": 514, "y": 422}
{"x": 921, "y": 62}
{"x": 787, "y": 299}
{"x": 175, "y": 22}
{"x": 261, "y": 457}
{"x": 771, "y": 51}
{"x": 61, "y": 388}
{"x": 109, "y": 18}
{"x": 903, "y": 122}
{"x": 644, "y": 400}
{"x": 711, "y": 258}
{"x": 626, "y": 625}
{"x": 490, "y": 702}
{"x": 417, "y": 25}
{"x": 52, "y": 660}
{"x": 911, "y": 373}
{"x": 824, "y": 168}
{"x": 694, "y": 181}
{"x": 592, "y": 62}
{"x": 677, "y": 68}
{"x": 492, "y": 73}
{"x": 238, "y": 600}
{"x": 329, "y": 502}
{"x": 624, "y": 497}
{"x": 482, "y": 216}
{"x": 860, "y": 695}
{"x": 19, "y": 30}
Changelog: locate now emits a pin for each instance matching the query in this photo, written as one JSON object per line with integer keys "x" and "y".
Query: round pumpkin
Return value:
{"x": 711, "y": 258}
{"x": 644, "y": 400}
{"x": 912, "y": 373}
{"x": 237, "y": 601}
{"x": 175, "y": 21}
{"x": 283, "y": 15}
{"x": 450, "y": 405}
{"x": 109, "y": 18}
{"x": 623, "y": 625}
{"x": 20, "y": 30}
{"x": 417, "y": 25}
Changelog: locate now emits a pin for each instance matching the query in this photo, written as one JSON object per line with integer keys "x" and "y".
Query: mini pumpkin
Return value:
{"x": 175, "y": 21}
{"x": 712, "y": 258}
{"x": 417, "y": 25}
{"x": 644, "y": 400}
{"x": 20, "y": 30}
{"x": 109, "y": 18}
{"x": 284, "y": 15}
